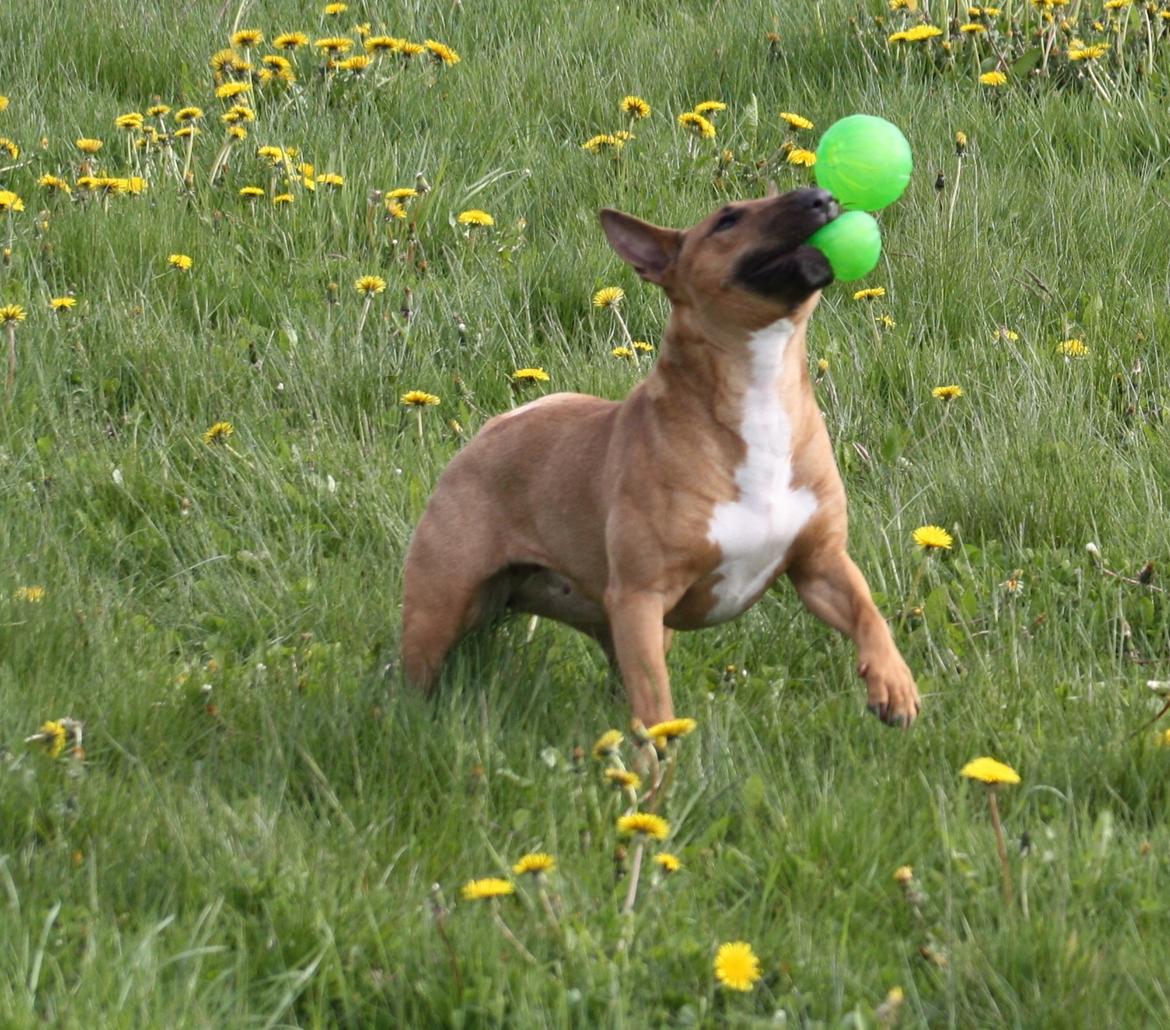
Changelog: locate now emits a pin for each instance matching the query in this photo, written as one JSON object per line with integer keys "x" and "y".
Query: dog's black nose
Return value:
{"x": 822, "y": 202}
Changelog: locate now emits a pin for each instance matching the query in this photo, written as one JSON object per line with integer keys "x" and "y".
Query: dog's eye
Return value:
{"x": 726, "y": 221}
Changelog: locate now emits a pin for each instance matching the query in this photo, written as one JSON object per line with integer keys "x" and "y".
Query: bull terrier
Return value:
{"x": 679, "y": 506}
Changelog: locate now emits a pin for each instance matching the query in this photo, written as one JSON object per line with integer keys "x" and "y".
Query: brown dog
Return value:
{"x": 678, "y": 506}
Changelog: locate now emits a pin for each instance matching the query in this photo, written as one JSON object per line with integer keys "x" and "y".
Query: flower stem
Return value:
{"x": 510, "y": 937}
{"x": 1008, "y": 891}
{"x": 635, "y": 875}
{"x": 10, "y": 381}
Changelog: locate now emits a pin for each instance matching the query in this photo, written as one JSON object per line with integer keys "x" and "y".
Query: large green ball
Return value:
{"x": 864, "y": 161}
{"x": 852, "y": 242}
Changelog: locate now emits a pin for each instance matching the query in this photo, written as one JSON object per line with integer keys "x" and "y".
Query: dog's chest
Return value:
{"x": 755, "y": 530}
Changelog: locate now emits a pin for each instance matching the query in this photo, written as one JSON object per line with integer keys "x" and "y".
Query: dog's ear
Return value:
{"x": 650, "y": 249}
{"x": 773, "y": 189}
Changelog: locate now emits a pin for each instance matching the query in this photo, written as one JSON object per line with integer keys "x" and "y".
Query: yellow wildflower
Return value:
{"x": 419, "y": 398}
{"x": 1072, "y": 348}
{"x": 290, "y": 40}
{"x": 607, "y": 743}
{"x": 871, "y": 293}
{"x": 9, "y": 201}
{"x": 623, "y": 778}
{"x": 88, "y": 146}
{"x": 644, "y": 823}
{"x": 218, "y": 432}
{"x": 535, "y": 862}
{"x": 635, "y": 107}
{"x": 245, "y": 38}
{"x": 441, "y": 52}
{"x": 709, "y": 107}
{"x": 946, "y": 393}
{"x": 60, "y": 304}
{"x": 33, "y": 595}
{"x": 795, "y": 120}
{"x": 993, "y": 79}
{"x": 10, "y": 314}
{"x": 671, "y": 729}
{"x": 182, "y": 262}
{"x": 736, "y": 966}
{"x": 475, "y": 217}
{"x": 697, "y": 124}
{"x": 802, "y": 157}
{"x": 608, "y": 296}
{"x": 669, "y": 863}
{"x": 932, "y": 538}
{"x": 988, "y": 770}
{"x": 530, "y": 375}
{"x": 370, "y": 284}
{"x": 490, "y": 887}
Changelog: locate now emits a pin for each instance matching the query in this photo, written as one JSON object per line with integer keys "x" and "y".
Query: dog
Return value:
{"x": 679, "y": 506}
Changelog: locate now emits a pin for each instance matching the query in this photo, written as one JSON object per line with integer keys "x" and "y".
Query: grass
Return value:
{"x": 264, "y": 830}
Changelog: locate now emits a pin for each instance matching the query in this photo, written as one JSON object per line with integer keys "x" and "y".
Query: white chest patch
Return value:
{"x": 755, "y": 531}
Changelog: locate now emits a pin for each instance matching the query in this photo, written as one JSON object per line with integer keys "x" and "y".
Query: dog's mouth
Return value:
{"x": 790, "y": 270}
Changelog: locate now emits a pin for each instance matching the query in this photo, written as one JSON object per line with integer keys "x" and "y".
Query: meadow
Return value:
{"x": 219, "y": 808}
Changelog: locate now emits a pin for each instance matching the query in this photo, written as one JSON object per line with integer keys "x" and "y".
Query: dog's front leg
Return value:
{"x": 833, "y": 589}
{"x": 635, "y": 621}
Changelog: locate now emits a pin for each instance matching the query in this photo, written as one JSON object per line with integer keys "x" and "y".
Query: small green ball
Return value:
{"x": 864, "y": 161}
{"x": 852, "y": 242}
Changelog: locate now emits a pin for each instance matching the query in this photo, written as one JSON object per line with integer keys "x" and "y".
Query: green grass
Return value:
{"x": 261, "y": 813}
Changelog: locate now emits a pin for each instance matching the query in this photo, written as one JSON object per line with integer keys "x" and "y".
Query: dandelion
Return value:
{"x": 635, "y": 107}
{"x": 245, "y": 38}
{"x": 283, "y": 198}
{"x": 87, "y": 145}
{"x": 62, "y": 304}
{"x": 394, "y": 209}
{"x": 490, "y": 887}
{"x": 608, "y": 296}
{"x": 369, "y": 284}
{"x": 624, "y": 779}
{"x": 947, "y": 393}
{"x": 697, "y": 124}
{"x": 530, "y": 375}
{"x": 334, "y": 9}
{"x": 992, "y": 774}
{"x": 411, "y": 49}
{"x": 290, "y": 40}
{"x": 382, "y": 44}
{"x": 795, "y": 121}
{"x": 667, "y": 862}
{"x": 885, "y": 321}
{"x": 188, "y": 114}
{"x": 10, "y": 147}
{"x": 419, "y": 399}
{"x": 132, "y": 120}
{"x": 643, "y": 346}
{"x": 1002, "y": 332}
{"x": 671, "y": 729}
{"x": 993, "y": 79}
{"x": 475, "y": 217}
{"x": 973, "y": 28}
{"x": 644, "y": 824}
{"x": 889, "y": 1011}
{"x": 1014, "y": 584}
{"x": 10, "y": 314}
{"x": 3, "y": 103}
{"x": 709, "y": 107}
{"x": 251, "y": 192}
{"x": 402, "y": 193}
{"x": 921, "y": 33}
{"x": 607, "y": 743}
{"x": 536, "y": 863}
{"x": 1087, "y": 53}
{"x": 622, "y": 352}
{"x": 9, "y": 201}
{"x": 356, "y": 64}
{"x": 960, "y": 143}
{"x": 870, "y": 293}
{"x": 904, "y": 874}
{"x": 736, "y": 966}
{"x": 53, "y": 735}
{"x": 218, "y": 433}
{"x": 331, "y": 179}
{"x": 333, "y": 44}
{"x": 232, "y": 89}
{"x": 30, "y": 595}
{"x": 442, "y": 53}
{"x": 183, "y": 262}
{"x": 1072, "y": 348}
{"x": 803, "y": 158}
{"x": 932, "y": 538}
{"x": 603, "y": 141}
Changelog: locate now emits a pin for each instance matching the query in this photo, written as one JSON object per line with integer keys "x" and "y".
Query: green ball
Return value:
{"x": 852, "y": 242}
{"x": 864, "y": 161}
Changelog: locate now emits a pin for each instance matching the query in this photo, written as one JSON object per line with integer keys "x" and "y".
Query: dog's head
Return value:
{"x": 748, "y": 262}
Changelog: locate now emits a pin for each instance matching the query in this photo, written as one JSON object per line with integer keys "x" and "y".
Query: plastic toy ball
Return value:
{"x": 864, "y": 161}
{"x": 852, "y": 243}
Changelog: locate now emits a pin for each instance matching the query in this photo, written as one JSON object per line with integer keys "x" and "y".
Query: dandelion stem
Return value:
{"x": 635, "y": 875}
{"x": 10, "y": 381}
{"x": 954, "y": 196}
{"x": 1008, "y": 891}
{"x": 362, "y": 317}
{"x": 625, "y": 329}
{"x": 510, "y": 937}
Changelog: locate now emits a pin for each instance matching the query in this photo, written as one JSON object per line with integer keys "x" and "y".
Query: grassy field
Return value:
{"x": 259, "y": 828}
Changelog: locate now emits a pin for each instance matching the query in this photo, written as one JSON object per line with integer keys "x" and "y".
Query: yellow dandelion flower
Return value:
{"x": 623, "y": 778}
{"x": 331, "y": 179}
{"x": 402, "y": 193}
{"x": 671, "y": 729}
{"x": 276, "y": 62}
{"x": 993, "y": 79}
{"x": 530, "y": 375}
{"x": 238, "y": 113}
{"x": 932, "y": 538}
{"x": 370, "y": 284}
{"x": 394, "y": 209}
{"x": 490, "y": 887}
{"x": 1072, "y": 348}
{"x": 218, "y": 433}
{"x": 356, "y": 64}
{"x": 475, "y": 217}
{"x": 598, "y": 143}
{"x": 382, "y": 44}
{"x": 802, "y": 157}
{"x": 409, "y": 49}
{"x": 419, "y": 399}
{"x": 33, "y": 594}
{"x": 183, "y": 262}
{"x": 709, "y": 107}
{"x": 251, "y": 192}
{"x": 3, "y": 103}
{"x": 290, "y": 40}
{"x": 795, "y": 120}
{"x": 232, "y": 89}
{"x": 9, "y": 201}
{"x": 668, "y": 862}
{"x": 275, "y": 155}
{"x": 238, "y": 132}
{"x": 187, "y": 132}
{"x": 245, "y": 38}
{"x": 535, "y": 862}
{"x": 871, "y": 293}
{"x": 131, "y": 120}
{"x": 736, "y": 966}
{"x": 1088, "y": 53}
{"x": 622, "y": 352}
{"x": 697, "y": 124}
{"x": 61, "y": 304}
{"x": 334, "y": 9}
{"x": 635, "y": 107}
{"x": 988, "y": 770}
{"x": 608, "y": 296}
{"x": 947, "y": 393}
{"x": 441, "y": 52}
{"x": 158, "y": 110}
{"x": 644, "y": 823}
{"x": 644, "y": 346}
{"x": 54, "y": 736}
{"x": 333, "y": 44}
{"x": 10, "y": 314}
{"x": 972, "y": 28}
{"x": 921, "y": 33}
{"x": 10, "y": 147}
{"x": 87, "y": 145}
{"x": 281, "y": 199}
{"x": 904, "y": 874}
{"x": 607, "y": 743}
{"x": 223, "y": 59}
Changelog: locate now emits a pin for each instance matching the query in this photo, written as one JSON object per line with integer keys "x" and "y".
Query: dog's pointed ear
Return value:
{"x": 650, "y": 249}
{"x": 773, "y": 190}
